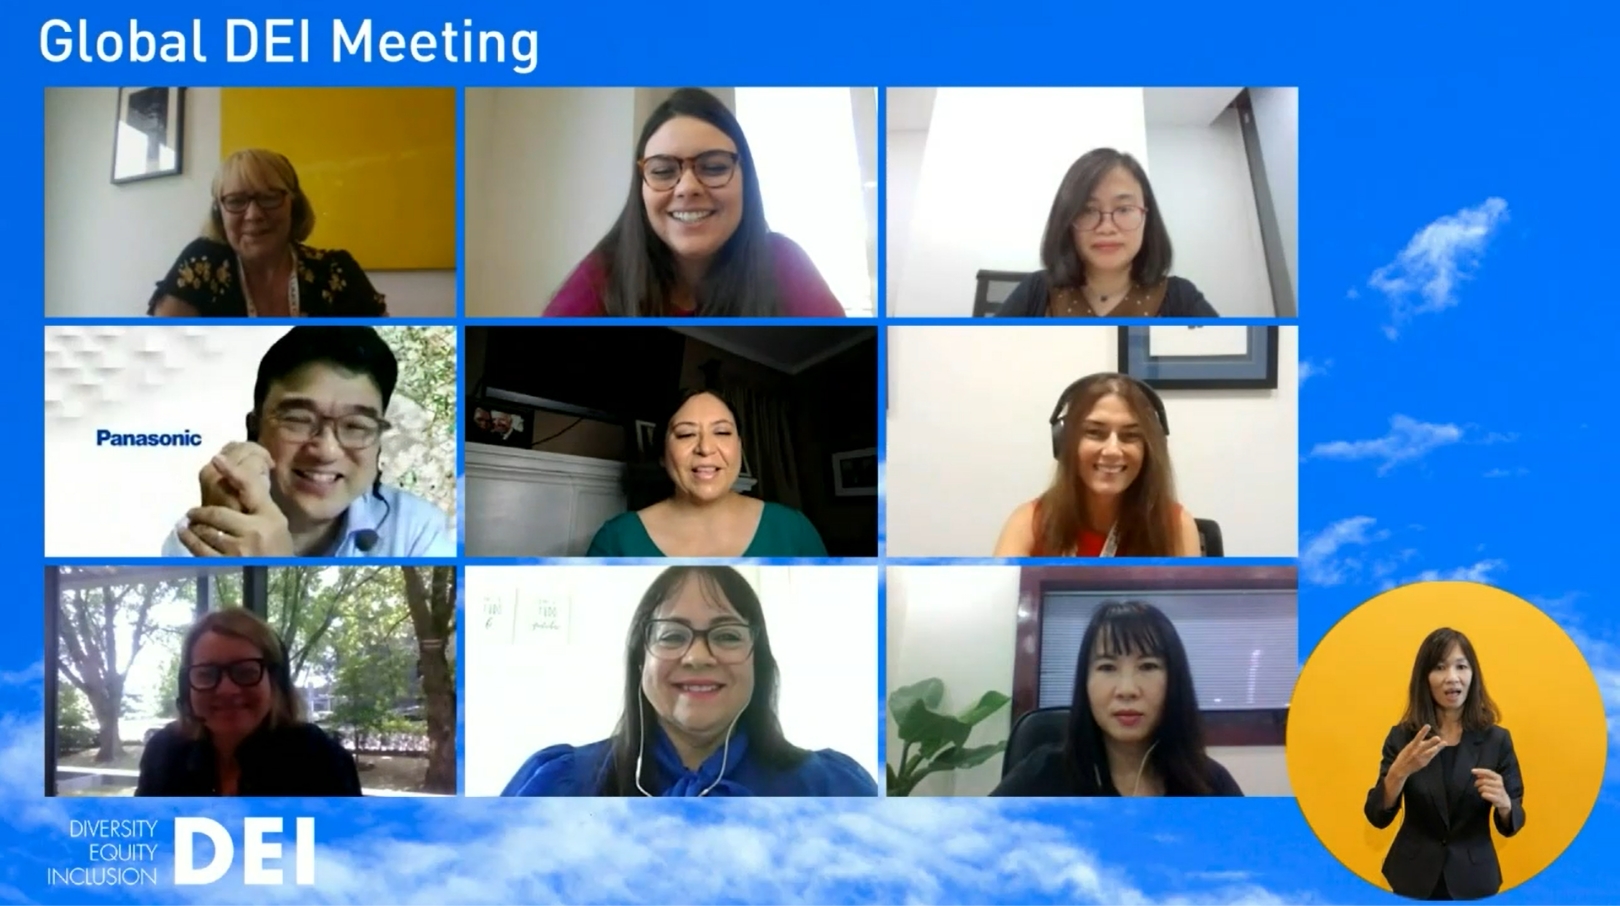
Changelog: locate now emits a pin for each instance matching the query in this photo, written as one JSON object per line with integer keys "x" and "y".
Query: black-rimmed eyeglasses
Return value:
{"x": 354, "y": 431}
{"x": 243, "y": 673}
{"x": 1128, "y": 218}
{"x": 237, "y": 202}
{"x": 730, "y": 643}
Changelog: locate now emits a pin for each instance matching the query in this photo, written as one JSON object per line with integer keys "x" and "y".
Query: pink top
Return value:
{"x": 803, "y": 293}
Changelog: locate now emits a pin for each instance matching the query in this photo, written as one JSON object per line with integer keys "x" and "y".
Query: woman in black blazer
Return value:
{"x": 1134, "y": 725}
{"x": 1452, "y": 766}
{"x": 241, "y": 731}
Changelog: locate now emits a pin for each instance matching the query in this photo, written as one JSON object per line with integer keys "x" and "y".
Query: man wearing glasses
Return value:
{"x": 306, "y": 482}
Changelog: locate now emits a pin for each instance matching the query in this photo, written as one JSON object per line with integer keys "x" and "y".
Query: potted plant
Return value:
{"x": 931, "y": 740}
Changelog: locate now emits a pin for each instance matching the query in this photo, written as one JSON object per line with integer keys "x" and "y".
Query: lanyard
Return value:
{"x": 1112, "y": 542}
{"x": 292, "y": 289}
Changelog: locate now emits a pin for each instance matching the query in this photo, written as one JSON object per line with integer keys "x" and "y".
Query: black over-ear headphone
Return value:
{"x": 1060, "y": 415}
{"x": 277, "y": 666}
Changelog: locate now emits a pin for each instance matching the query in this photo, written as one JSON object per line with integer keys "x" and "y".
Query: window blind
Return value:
{"x": 1243, "y": 646}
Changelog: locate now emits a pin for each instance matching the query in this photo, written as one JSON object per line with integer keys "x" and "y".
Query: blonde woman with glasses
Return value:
{"x": 251, "y": 260}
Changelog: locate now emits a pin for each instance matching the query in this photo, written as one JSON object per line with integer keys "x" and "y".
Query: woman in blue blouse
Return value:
{"x": 699, "y": 708}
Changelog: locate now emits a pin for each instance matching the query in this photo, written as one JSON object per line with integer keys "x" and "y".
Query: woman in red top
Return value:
{"x": 692, "y": 238}
{"x": 1114, "y": 491}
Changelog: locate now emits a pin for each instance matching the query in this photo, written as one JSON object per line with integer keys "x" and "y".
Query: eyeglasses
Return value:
{"x": 355, "y": 431}
{"x": 1128, "y": 218}
{"x": 206, "y": 677}
{"x": 730, "y": 643}
{"x": 237, "y": 202}
{"x": 662, "y": 172}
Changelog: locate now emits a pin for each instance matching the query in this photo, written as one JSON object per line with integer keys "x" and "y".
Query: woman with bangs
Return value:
{"x": 1134, "y": 726}
{"x": 1113, "y": 494}
{"x": 251, "y": 260}
{"x": 699, "y": 718}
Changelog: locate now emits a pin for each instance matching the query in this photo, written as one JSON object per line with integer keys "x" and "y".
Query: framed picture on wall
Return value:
{"x": 148, "y": 134}
{"x": 499, "y": 423}
{"x": 855, "y": 473}
{"x": 1200, "y": 357}
{"x": 646, "y": 439}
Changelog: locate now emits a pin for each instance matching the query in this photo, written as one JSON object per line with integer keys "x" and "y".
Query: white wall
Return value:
{"x": 547, "y": 170}
{"x": 983, "y": 194}
{"x": 1201, "y": 180}
{"x": 904, "y": 153}
{"x": 969, "y": 442}
{"x": 107, "y": 246}
{"x": 529, "y": 690}
{"x": 960, "y": 624}
{"x": 1276, "y": 118}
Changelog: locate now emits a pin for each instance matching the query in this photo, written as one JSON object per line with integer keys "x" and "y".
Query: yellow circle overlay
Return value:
{"x": 1353, "y": 688}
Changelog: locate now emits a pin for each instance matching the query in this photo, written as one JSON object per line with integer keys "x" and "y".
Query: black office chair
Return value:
{"x": 1209, "y": 535}
{"x": 1040, "y": 727}
{"x": 993, "y": 289}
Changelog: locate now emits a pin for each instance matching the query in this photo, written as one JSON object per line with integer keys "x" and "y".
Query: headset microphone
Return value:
{"x": 365, "y": 540}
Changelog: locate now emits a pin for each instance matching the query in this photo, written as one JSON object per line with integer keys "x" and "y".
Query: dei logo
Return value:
{"x": 256, "y": 851}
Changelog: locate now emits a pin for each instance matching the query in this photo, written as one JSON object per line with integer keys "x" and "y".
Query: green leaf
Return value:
{"x": 931, "y": 729}
{"x": 960, "y": 758}
{"x": 929, "y": 692}
{"x": 988, "y": 704}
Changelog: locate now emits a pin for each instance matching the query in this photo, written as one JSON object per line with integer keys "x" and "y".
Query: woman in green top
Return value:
{"x": 704, "y": 517}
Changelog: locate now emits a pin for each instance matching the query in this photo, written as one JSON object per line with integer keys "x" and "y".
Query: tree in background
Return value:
{"x": 431, "y": 595}
{"x": 92, "y": 618}
{"x": 420, "y": 454}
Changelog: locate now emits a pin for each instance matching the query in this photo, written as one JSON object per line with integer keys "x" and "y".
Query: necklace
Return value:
{"x": 292, "y": 288}
{"x": 1102, "y": 298}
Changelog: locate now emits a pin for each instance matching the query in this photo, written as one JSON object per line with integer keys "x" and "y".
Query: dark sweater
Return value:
{"x": 299, "y": 760}
{"x": 1181, "y": 299}
{"x": 1045, "y": 773}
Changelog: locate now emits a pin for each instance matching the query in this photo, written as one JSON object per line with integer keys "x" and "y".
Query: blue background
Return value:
{"x": 1408, "y": 115}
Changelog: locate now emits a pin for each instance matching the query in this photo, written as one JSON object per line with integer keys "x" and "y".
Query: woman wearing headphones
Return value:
{"x": 251, "y": 261}
{"x": 699, "y": 717}
{"x": 1113, "y": 494}
{"x": 241, "y": 730}
{"x": 1134, "y": 727}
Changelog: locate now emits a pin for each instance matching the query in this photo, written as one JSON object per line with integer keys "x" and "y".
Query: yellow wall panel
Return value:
{"x": 378, "y": 164}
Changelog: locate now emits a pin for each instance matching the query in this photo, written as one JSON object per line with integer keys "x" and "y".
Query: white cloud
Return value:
{"x": 1309, "y": 369}
{"x": 764, "y": 850}
{"x": 1482, "y": 572}
{"x": 22, "y": 774}
{"x": 1408, "y": 439}
{"x": 1424, "y": 277}
{"x": 1320, "y": 555}
{"x": 26, "y": 676}
{"x": 1507, "y": 473}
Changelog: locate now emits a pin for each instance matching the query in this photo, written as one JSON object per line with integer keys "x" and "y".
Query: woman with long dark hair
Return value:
{"x": 1451, "y": 763}
{"x": 698, "y": 512}
{"x": 699, "y": 718}
{"x": 1106, "y": 252}
{"x": 1134, "y": 725}
{"x": 1113, "y": 493}
{"x": 692, "y": 238}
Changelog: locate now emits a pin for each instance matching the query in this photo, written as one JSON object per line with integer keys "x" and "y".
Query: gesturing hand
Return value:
{"x": 1417, "y": 754}
{"x": 219, "y": 491}
{"x": 1489, "y": 784}
{"x": 259, "y": 529}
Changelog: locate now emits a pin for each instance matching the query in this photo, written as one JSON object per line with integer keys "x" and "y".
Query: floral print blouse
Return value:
{"x": 330, "y": 283}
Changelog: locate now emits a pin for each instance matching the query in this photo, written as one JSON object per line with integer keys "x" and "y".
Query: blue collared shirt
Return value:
{"x": 406, "y": 526}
